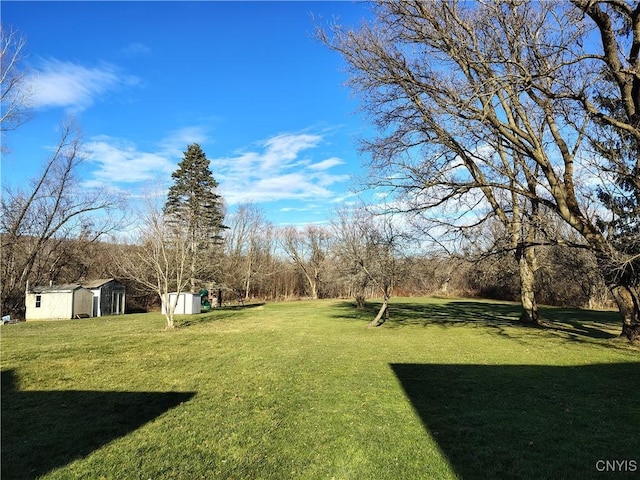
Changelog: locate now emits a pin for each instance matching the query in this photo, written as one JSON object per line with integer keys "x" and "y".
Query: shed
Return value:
{"x": 108, "y": 296}
{"x": 188, "y": 302}
{"x": 58, "y": 302}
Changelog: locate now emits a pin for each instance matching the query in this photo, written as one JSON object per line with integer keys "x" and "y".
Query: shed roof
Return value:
{"x": 66, "y": 287}
{"x": 97, "y": 283}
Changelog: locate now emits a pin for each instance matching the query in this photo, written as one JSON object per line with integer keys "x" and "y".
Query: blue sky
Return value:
{"x": 246, "y": 80}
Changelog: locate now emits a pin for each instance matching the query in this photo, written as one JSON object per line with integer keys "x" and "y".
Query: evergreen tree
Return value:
{"x": 193, "y": 204}
{"x": 621, "y": 198}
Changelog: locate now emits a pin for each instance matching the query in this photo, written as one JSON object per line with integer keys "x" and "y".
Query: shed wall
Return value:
{"x": 188, "y": 303}
{"x": 82, "y": 303}
{"x": 55, "y": 305}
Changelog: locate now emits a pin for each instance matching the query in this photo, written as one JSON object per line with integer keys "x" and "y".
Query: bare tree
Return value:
{"x": 15, "y": 92}
{"x": 474, "y": 99}
{"x": 367, "y": 247}
{"x": 160, "y": 258}
{"x": 248, "y": 249}
{"x": 54, "y": 208}
{"x": 351, "y": 251}
{"x": 459, "y": 217}
{"x": 308, "y": 249}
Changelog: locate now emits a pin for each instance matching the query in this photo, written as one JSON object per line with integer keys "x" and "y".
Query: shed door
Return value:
{"x": 96, "y": 300}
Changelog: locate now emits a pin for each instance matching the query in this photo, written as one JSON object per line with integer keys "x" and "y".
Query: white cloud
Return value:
{"x": 326, "y": 180}
{"x": 279, "y": 169}
{"x": 348, "y": 198}
{"x": 276, "y": 171}
{"x": 294, "y": 209}
{"x": 288, "y": 145}
{"x": 177, "y": 141}
{"x": 74, "y": 86}
{"x": 121, "y": 163}
{"x": 326, "y": 164}
{"x": 281, "y": 151}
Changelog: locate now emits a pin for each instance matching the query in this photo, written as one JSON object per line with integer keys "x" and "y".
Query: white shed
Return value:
{"x": 58, "y": 302}
{"x": 188, "y": 302}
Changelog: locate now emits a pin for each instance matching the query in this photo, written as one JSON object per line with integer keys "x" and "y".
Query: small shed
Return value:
{"x": 188, "y": 303}
{"x": 58, "y": 302}
{"x": 108, "y": 296}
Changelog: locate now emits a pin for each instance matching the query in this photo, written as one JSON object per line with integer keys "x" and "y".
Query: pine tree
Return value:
{"x": 193, "y": 204}
{"x": 621, "y": 200}
{"x": 620, "y": 196}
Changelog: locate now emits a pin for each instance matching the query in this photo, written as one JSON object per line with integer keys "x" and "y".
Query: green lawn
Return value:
{"x": 445, "y": 389}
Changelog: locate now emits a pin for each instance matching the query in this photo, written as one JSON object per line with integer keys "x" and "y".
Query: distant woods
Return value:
{"x": 252, "y": 265}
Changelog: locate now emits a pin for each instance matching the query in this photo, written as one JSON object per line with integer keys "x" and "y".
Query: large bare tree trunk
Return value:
{"x": 627, "y": 301}
{"x": 527, "y": 267}
{"x": 527, "y": 264}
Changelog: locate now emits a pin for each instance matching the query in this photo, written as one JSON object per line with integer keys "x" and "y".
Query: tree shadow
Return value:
{"x": 405, "y": 312}
{"x": 45, "y": 430}
{"x": 530, "y": 421}
{"x": 348, "y": 311}
{"x": 572, "y": 324}
{"x": 215, "y": 314}
{"x": 582, "y": 323}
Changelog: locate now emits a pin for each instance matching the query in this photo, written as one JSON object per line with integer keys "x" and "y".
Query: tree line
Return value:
{"x": 188, "y": 243}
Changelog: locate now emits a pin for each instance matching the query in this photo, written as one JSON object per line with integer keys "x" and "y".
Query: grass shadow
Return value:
{"x": 348, "y": 311}
{"x": 582, "y": 323}
{"x": 572, "y": 324}
{"x": 406, "y": 312}
{"x": 217, "y": 313}
{"x": 44, "y": 430}
{"x": 529, "y": 421}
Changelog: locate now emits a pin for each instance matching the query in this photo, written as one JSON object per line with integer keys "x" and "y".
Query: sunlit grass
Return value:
{"x": 304, "y": 390}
